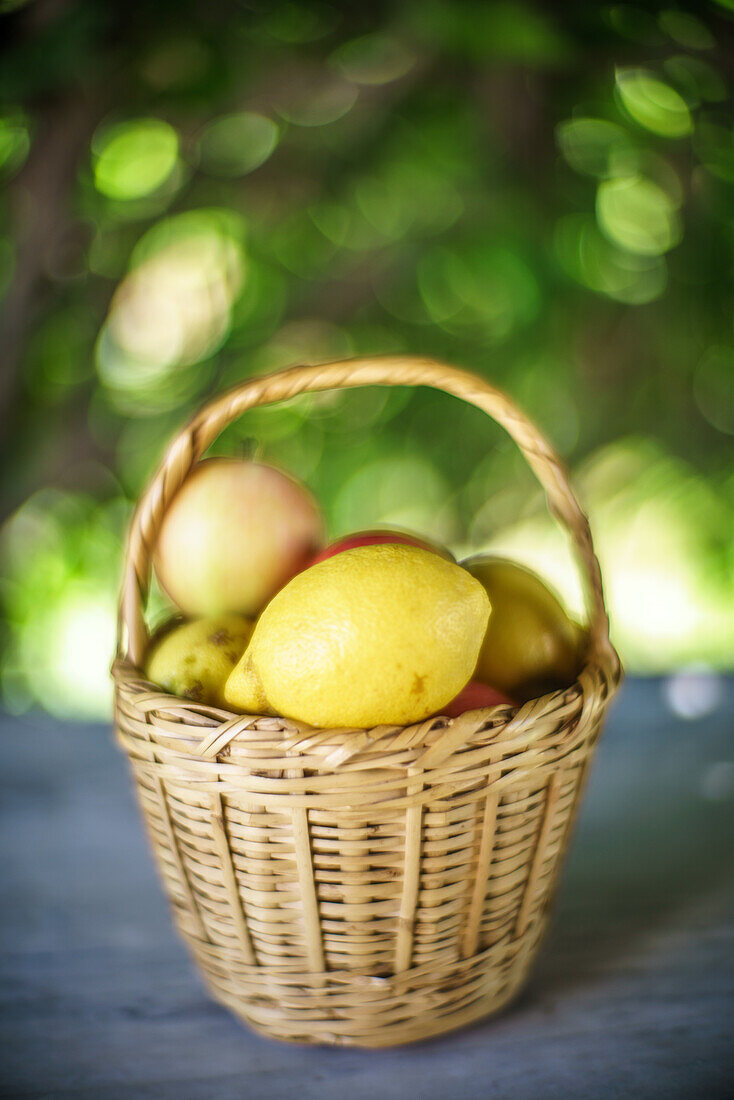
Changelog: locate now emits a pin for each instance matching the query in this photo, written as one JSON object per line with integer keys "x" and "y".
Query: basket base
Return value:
{"x": 351, "y": 1009}
{"x": 390, "y": 1036}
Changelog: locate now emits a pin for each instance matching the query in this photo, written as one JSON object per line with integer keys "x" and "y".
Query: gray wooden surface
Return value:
{"x": 633, "y": 995}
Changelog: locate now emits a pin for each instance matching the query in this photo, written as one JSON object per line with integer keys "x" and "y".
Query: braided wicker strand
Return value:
{"x": 364, "y": 887}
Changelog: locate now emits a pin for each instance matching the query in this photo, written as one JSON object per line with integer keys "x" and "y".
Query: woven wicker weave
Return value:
{"x": 366, "y": 887}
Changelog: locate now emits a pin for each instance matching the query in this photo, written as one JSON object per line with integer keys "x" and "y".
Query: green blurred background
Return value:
{"x": 194, "y": 193}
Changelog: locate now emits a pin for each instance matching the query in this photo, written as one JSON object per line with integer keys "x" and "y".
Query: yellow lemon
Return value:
{"x": 381, "y": 634}
{"x": 531, "y": 645}
{"x": 194, "y": 659}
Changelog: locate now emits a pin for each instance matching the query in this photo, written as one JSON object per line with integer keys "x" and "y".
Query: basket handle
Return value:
{"x": 392, "y": 370}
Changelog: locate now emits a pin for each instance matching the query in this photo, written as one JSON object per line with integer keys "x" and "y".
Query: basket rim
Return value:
{"x": 201, "y": 731}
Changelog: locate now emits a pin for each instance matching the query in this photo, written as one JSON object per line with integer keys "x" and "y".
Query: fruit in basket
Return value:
{"x": 376, "y": 538}
{"x": 236, "y": 531}
{"x": 382, "y": 634}
{"x": 475, "y": 696}
{"x": 194, "y": 659}
{"x": 531, "y": 646}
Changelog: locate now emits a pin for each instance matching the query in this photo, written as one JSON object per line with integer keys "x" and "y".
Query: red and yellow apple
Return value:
{"x": 234, "y": 534}
{"x": 475, "y": 696}
{"x": 376, "y": 538}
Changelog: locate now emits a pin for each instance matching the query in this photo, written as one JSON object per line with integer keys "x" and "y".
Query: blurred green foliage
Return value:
{"x": 195, "y": 193}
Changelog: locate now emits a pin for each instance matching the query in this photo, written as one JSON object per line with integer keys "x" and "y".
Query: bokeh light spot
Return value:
{"x": 59, "y": 559}
{"x": 317, "y": 103}
{"x": 176, "y": 64}
{"x": 652, "y": 103}
{"x": 714, "y": 145}
{"x": 236, "y": 144}
{"x": 7, "y": 264}
{"x": 632, "y": 22}
{"x": 307, "y": 340}
{"x": 505, "y": 29}
{"x": 696, "y": 80}
{"x": 407, "y": 199}
{"x": 15, "y": 142}
{"x": 373, "y": 59}
{"x": 173, "y": 309}
{"x": 693, "y": 692}
{"x": 485, "y": 287}
{"x": 296, "y": 23}
{"x": 638, "y": 215}
{"x": 653, "y": 519}
{"x": 596, "y": 147}
{"x": 134, "y": 158}
{"x": 595, "y": 262}
{"x": 685, "y": 28}
{"x": 717, "y": 782}
{"x": 404, "y": 491}
{"x": 713, "y": 388}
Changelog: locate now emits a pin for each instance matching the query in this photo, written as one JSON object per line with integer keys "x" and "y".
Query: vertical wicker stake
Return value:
{"x": 370, "y": 920}
{"x": 411, "y": 873}
{"x": 221, "y": 841}
{"x": 470, "y": 938}
{"x": 314, "y": 949}
{"x": 539, "y": 855}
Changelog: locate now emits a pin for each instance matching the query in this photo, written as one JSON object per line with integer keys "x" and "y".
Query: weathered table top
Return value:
{"x": 633, "y": 995}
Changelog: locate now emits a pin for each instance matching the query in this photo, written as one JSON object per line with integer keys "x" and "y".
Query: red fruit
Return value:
{"x": 376, "y": 538}
{"x": 475, "y": 696}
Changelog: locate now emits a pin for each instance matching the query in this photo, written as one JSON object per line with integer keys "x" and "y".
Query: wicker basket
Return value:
{"x": 363, "y": 887}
